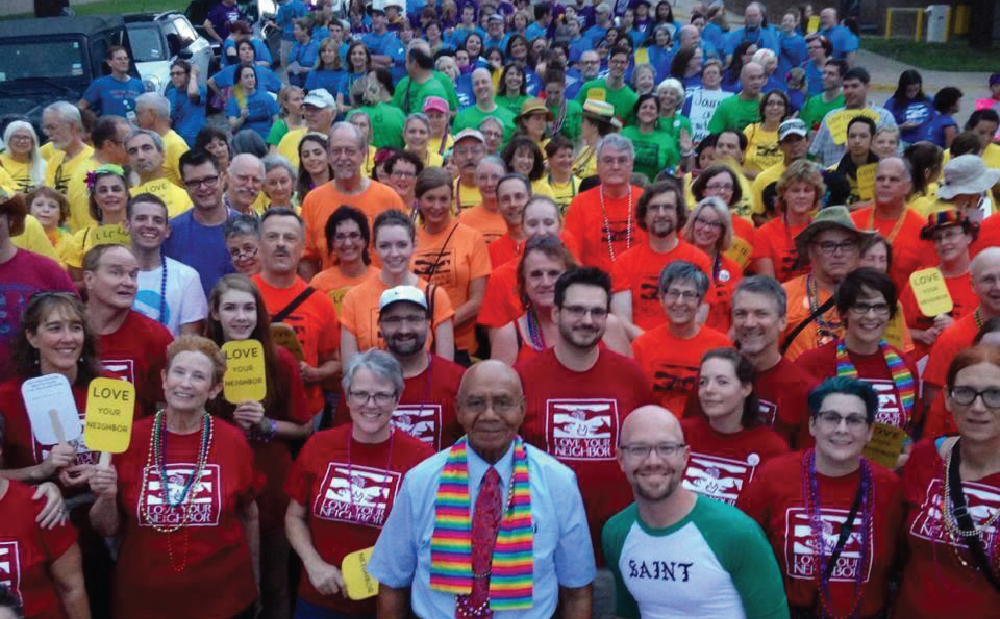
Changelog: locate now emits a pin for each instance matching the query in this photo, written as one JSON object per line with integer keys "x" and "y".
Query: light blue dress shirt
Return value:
{"x": 561, "y": 546}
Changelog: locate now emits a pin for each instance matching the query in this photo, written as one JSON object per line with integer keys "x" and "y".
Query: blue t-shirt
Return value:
{"x": 814, "y": 78}
{"x": 797, "y": 98}
{"x": 463, "y": 90}
{"x": 186, "y": 116}
{"x": 106, "y": 95}
{"x": 261, "y": 51}
{"x": 262, "y": 109}
{"x": 935, "y": 128}
{"x": 793, "y": 52}
{"x": 286, "y": 16}
{"x": 533, "y": 31}
{"x": 384, "y": 44}
{"x": 911, "y": 111}
{"x": 774, "y": 82}
{"x": 332, "y": 81}
{"x": 460, "y": 34}
{"x": 576, "y": 48}
{"x": 661, "y": 58}
{"x": 305, "y": 53}
{"x": 761, "y": 37}
{"x": 712, "y": 34}
{"x": 200, "y": 247}
{"x": 266, "y": 78}
{"x": 842, "y": 40}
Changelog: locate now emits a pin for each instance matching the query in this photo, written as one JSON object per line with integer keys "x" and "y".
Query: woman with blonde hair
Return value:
{"x": 800, "y": 189}
{"x": 290, "y": 116}
{"x": 710, "y": 229}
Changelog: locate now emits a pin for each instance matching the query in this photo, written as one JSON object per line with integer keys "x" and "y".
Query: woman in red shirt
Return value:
{"x": 800, "y": 189}
{"x": 832, "y": 517}
{"x": 236, "y": 312}
{"x": 710, "y": 229}
{"x": 182, "y": 499}
{"x": 343, "y": 484}
{"x": 950, "y": 567}
{"x": 727, "y": 442}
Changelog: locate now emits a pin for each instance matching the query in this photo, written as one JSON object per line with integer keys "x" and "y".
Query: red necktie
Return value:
{"x": 485, "y": 526}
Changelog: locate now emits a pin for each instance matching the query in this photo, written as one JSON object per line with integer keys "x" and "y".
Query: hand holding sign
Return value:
{"x": 245, "y": 377}
{"x": 886, "y": 445}
{"x": 360, "y": 584}
{"x": 931, "y": 291}
{"x": 51, "y": 408}
{"x": 108, "y": 422}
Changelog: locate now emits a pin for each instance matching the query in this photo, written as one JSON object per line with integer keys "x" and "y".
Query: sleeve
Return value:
{"x": 612, "y": 541}
{"x": 272, "y": 106}
{"x": 300, "y": 479}
{"x": 93, "y": 93}
{"x": 749, "y": 559}
{"x": 272, "y": 82}
{"x": 394, "y": 558}
{"x": 718, "y": 121}
{"x": 278, "y": 130}
{"x": 56, "y": 542}
{"x": 232, "y": 110}
{"x": 398, "y": 96}
{"x": 479, "y": 257}
{"x": 224, "y": 78}
{"x": 442, "y": 306}
{"x": 574, "y": 553}
{"x": 194, "y": 306}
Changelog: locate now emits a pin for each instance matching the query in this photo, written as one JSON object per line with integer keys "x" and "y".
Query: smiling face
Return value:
{"x": 490, "y": 407}
{"x": 246, "y": 178}
{"x": 189, "y": 381}
{"x": 278, "y": 185}
{"x": 21, "y": 143}
{"x": 540, "y": 275}
{"x": 148, "y": 226}
{"x": 404, "y": 328}
{"x": 487, "y": 175}
{"x": 113, "y": 282}
{"x": 237, "y": 314}
{"x": 416, "y": 134}
{"x": 583, "y": 316}
{"x": 648, "y": 110}
{"x": 371, "y": 415}
{"x": 541, "y": 217}
{"x": 661, "y": 215}
{"x": 523, "y": 160}
{"x": 657, "y": 476}
{"x": 951, "y": 243}
{"x": 394, "y": 248}
{"x": 757, "y": 324}
{"x": 111, "y": 195}
{"x": 58, "y": 339}
{"x": 706, "y": 228}
{"x": 512, "y": 81}
{"x": 800, "y": 198}
{"x": 976, "y": 422}
{"x": 680, "y": 302}
{"x": 435, "y": 206}
{"x": 244, "y": 253}
{"x": 512, "y": 197}
{"x": 46, "y": 211}
{"x": 720, "y": 392}
{"x": 345, "y": 154}
{"x": 840, "y": 443}
{"x": 868, "y": 318}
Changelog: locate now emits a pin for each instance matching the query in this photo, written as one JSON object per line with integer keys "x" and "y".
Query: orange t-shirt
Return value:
{"x": 909, "y": 252}
{"x": 938, "y": 420}
{"x": 720, "y": 316}
{"x": 359, "y": 313}
{"x": 818, "y": 332}
{"x": 638, "y": 271}
{"x": 325, "y": 199}
{"x": 314, "y": 322}
{"x": 594, "y": 228}
{"x": 672, "y": 364}
{"x": 776, "y": 240}
{"x": 964, "y": 300}
{"x": 453, "y": 267}
{"x": 489, "y": 223}
{"x": 744, "y": 240}
{"x": 501, "y": 302}
{"x": 335, "y": 283}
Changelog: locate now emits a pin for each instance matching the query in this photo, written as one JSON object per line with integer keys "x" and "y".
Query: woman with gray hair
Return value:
{"x": 670, "y": 94}
{"x": 22, "y": 159}
{"x": 241, "y": 234}
{"x": 279, "y": 182}
{"x": 344, "y": 482}
{"x": 710, "y": 229}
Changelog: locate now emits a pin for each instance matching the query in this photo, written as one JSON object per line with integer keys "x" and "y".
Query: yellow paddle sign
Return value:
{"x": 360, "y": 584}
{"x": 245, "y": 377}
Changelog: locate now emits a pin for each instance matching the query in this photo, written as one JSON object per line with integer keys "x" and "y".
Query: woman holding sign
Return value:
{"x": 182, "y": 500}
{"x": 831, "y": 516}
{"x": 343, "y": 484}
{"x": 952, "y": 490}
{"x": 866, "y": 302}
{"x": 237, "y": 314}
{"x": 108, "y": 187}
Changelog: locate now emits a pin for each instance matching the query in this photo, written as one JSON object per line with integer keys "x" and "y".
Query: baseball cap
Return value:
{"x": 469, "y": 133}
{"x": 436, "y": 104}
{"x": 792, "y": 126}
{"x": 411, "y": 294}
{"x": 319, "y": 97}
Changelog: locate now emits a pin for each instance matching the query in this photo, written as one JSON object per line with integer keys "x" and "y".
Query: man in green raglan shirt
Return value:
{"x": 675, "y": 553}
{"x": 422, "y": 80}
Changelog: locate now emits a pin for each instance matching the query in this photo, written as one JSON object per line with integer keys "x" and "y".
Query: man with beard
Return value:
{"x": 577, "y": 393}
{"x": 244, "y": 180}
{"x": 319, "y": 108}
{"x": 468, "y": 150}
{"x": 675, "y": 553}
{"x": 63, "y": 126}
{"x": 670, "y": 354}
{"x": 635, "y": 276}
{"x": 426, "y": 410}
{"x": 290, "y": 301}
{"x": 349, "y": 186}
{"x": 145, "y": 156}
{"x": 781, "y": 386}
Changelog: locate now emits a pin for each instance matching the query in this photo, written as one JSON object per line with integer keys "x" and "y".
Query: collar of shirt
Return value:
{"x": 477, "y": 468}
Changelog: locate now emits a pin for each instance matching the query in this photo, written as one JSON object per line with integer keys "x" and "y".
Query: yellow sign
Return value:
{"x": 866, "y": 181}
{"x": 886, "y": 445}
{"x": 836, "y": 122}
{"x": 360, "y": 584}
{"x": 812, "y": 26}
{"x": 245, "y": 377}
{"x": 284, "y": 336}
{"x": 931, "y": 291}
{"x": 107, "y": 424}
{"x": 894, "y": 330}
{"x": 740, "y": 251}
{"x": 110, "y": 234}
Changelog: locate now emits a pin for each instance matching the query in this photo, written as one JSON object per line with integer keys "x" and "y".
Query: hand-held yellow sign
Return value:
{"x": 107, "y": 425}
{"x": 245, "y": 377}
{"x": 931, "y": 292}
{"x": 284, "y": 336}
{"x": 886, "y": 445}
{"x": 836, "y": 122}
{"x": 360, "y": 584}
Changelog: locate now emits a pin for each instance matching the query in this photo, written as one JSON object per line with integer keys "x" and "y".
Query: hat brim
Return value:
{"x": 806, "y": 237}
{"x": 801, "y": 134}
{"x": 597, "y": 117}
{"x": 548, "y": 114}
{"x": 985, "y": 182}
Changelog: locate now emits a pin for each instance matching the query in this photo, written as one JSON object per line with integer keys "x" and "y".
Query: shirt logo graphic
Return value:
{"x": 719, "y": 478}
{"x": 10, "y": 570}
{"x": 422, "y": 421}
{"x": 767, "y": 412}
{"x": 585, "y": 429}
{"x": 200, "y": 509}
{"x": 983, "y": 501}
{"x": 358, "y": 494}
{"x": 801, "y": 552}
{"x": 121, "y": 368}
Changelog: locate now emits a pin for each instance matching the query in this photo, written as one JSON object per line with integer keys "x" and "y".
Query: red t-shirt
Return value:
{"x": 909, "y": 252}
{"x": 964, "y": 300}
{"x": 595, "y": 227}
{"x": 576, "y": 417}
{"x": 721, "y": 465}
{"x": 776, "y": 241}
{"x": 503, "y": 249}
{"x": 956, "y": 337}
{"x": 775, "y": 500}
{"x": 217, "y": 581}
{"x": 671, "y": 364}
{"x": 273, "y": 458}
{"x": 782, "y": 391}
{"x": 720, "y": 296}
{"x": 989, "y": 235}
{"x": 348, "y": 491}
{"x": 501, "y": 303}
{"x": 934, "y": 583}
{"x": 27, "y": 552}
{"x": 136, "y": 353}
{"x": 426, "y": 409}
{"x": 638, "y": 271}
{"x": 821, "y": 363}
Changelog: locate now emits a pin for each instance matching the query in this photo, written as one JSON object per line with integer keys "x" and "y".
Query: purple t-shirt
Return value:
{"x": 20, "y": 277}
{"x": 221, "y": 16}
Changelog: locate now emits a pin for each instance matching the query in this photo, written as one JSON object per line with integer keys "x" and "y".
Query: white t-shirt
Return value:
{"x": 185, "y": 298}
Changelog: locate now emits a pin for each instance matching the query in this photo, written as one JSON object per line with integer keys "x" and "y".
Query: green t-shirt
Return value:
{"x": 622, "y": 99}
{"x": 734, "y": 113}
{"x": 816, "y": 108}
{"x": 570, "y": 126}
{"x": 278, "y": 131}
{"x": 714, "y": 562}
{"x": 511, "y": 104}
{"x": 470, "y": 117}
{"x": 387, "y": 125}
{"x": 410, "y": 97}
{"x": 672, "y": 126}
{"x": 654, "y": 151}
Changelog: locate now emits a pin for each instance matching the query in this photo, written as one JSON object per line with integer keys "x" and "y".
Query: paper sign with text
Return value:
{"x": 866, "y": 181}
{"x": 110, "y": 234}
{"x": 107, "y": 424}
{"x": 51, "y": 409}
{"x": 931, "y": 292}
{"x": 740, "y": 251}
{"x": 360, "y": 584}
{"x": 836, "y": 122}
{"x": 284, "y": 336}
{"x": 886, "y": 445}
{"x": 245, "y": 377}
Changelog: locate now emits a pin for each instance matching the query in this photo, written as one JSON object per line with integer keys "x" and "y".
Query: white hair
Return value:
{"x": 614, "y": 140}
{"x": 155, "y": 102}
{"x": 670, "y": 84}
{"x": 67, "y": 112}
{"x": 37, "y": 163}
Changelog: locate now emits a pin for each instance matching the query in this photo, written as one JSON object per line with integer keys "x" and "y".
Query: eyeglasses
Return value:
{"x": 403, "y": 174}
{"x": 641, "y": 452}
{"x": 965, "y": 396}
{"x": 577, "y": 312}
{"x": 879, "y": 309}
{"x": 714, "y": 225}
{"x": 208, "y": 182}
{"x": 380, "y": 398}
{"x": 350, "y": 236}
{"x": 952, "y": 232}
{"x": 688, "y": 295}
{"x": 238, "y": 253}
{"x": 719, "y": 186}
{"x": 829, "y": 247}
{"x": 397, "y": 321}
{"x": 173, "y": 73}
{"x": 500, "y": 404}
{"x": 833, "y": 419}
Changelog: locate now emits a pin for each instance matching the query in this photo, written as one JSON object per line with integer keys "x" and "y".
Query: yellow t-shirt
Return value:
{"x": 76, "y": 246}
{"x": 34, "y": 239}
{"x": 434, "y": 144}
{"x": 562, "y": 194}
{"x": 466, "y": 197}
{"x": 173, "y": 147}
{"x": 176, "y": 198}
{"x": 7, "y": 182}
{"x": 18, "y": 171}
{"x": 61, "y": 170}
{"x": 288, "y": 147}
{"x": 48, "y": 150}
{"x": 78, "y": 197}
{"x": 762, "y": 149}
{"x": 767, "y": 176}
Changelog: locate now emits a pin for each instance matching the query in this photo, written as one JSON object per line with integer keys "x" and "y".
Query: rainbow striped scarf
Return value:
{"x": 900, "y": 374}
{"x": 451, "y": 542}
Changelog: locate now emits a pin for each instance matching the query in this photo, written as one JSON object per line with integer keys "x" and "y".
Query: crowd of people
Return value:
{"x": 566, "y": 309}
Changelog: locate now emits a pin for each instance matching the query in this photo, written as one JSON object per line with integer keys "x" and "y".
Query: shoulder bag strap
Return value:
{"x": 845, "y": 534}
{"x": 822, "y": 309}
{"x": 295, "y": 303}
{"x": 964, "y": 518}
